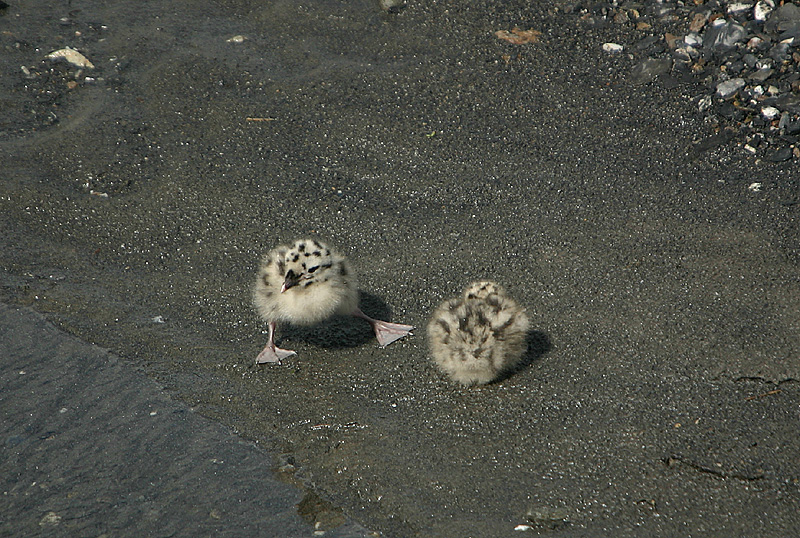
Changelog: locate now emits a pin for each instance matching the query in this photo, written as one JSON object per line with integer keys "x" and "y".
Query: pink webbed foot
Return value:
{"x": 273, "y": 354}
{"x": 385, "y": 332}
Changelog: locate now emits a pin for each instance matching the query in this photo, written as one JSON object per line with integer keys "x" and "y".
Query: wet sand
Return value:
{"x": 660, "y": 393}
{"x": 92, "y": 447}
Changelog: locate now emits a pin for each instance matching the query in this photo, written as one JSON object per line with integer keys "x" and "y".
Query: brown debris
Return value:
{"x": 768, "y": 393}
{"x": 698, "y": 22}
{"x": 519, "y": 37}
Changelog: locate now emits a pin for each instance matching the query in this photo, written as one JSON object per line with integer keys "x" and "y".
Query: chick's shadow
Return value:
{"x": 340, "y": 331}
{"x": 539, "y": 345}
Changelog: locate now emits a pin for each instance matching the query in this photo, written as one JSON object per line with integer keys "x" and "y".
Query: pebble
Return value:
{"x": 743, "y": 55}
{"x": 770, "y": 112}
{"x": 612, "y": 47}
{"x": 649, "y": 69}
{"x": 729, "y": 88}
{"x": 72, "y": 56}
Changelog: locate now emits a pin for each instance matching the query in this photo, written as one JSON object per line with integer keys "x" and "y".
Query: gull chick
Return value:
{"x": 478, "y": 336}
{"x": 306, "y": 283}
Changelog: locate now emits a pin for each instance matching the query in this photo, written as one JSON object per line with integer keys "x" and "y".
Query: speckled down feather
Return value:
{"x": 478, "y": 336}
{"x": 326, "y": 285}
{"x": 304, "y": 284}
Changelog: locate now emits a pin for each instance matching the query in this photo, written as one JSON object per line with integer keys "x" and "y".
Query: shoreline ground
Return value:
{"x": 655, "y": 248}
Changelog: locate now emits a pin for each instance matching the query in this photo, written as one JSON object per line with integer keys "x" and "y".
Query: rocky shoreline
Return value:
{"x": 745, "y": 56}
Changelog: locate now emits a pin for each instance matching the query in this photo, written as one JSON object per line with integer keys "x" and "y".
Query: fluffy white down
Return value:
{"x": 303, "y": 305}
{"x": 477, "y": 337}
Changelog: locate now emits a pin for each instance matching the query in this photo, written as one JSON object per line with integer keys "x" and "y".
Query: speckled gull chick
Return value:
{"x": 478, "y": 336}
{"x": 306, "y": 283}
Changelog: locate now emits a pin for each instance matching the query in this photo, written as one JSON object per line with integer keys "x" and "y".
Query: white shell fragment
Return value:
{"x": 730, "y": 87}
{"x": 739, "y": 7}
{"x": 72, "y": 56}
{"x": 770, "y": 112}
{"x": 762, "y": 10}
{"x": 612, "y": 47}
{"x": 754, "y": 187}
{"x": 237, "y": 39}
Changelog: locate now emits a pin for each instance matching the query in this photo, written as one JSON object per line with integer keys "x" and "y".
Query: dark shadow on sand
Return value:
{"x": 339, "y": 331}
{"x": 538, "y": 346}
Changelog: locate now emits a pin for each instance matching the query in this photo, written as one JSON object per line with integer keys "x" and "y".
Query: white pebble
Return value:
{"x": 72, "y": 56}
{"x": 738, "y": 7}
{"x": 612, "y": 47}
{"x": 763, "y": 9}
{"x": 770, "y": 112}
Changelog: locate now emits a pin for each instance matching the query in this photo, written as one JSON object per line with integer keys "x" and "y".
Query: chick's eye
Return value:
{"x": 313, "y": 269}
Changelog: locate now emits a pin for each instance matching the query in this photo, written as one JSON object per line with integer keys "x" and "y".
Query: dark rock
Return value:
{"x": 783, "y": 154}
{"x": 780, "y": 52}
{"x": 649, "y": 69}
{"x": 789, "y": 103}
{"x": 736, "y": 67}
{"x": 784, "y": 18}
{"x": 730, "y": 112}
{"x": 723, "y": 37}
{"x": 729, "y": 88}
{"x": 761, "y": 75}
{"x": 713, "y": 141}
{"x": 647, "y": 42}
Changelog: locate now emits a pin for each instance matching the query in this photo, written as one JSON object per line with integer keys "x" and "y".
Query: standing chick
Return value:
{"x": 306, "y": 283}
{"x": 478, "y": 336}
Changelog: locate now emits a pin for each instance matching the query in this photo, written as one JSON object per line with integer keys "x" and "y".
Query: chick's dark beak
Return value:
{"x": 291, "y": 281}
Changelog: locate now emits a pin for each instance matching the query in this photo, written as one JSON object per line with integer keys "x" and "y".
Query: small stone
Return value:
{"x": 698, "y": 21}
{"x": 770, "y": 112}
{"x": 649, "y": 69}
{"x": 50, "y": 519}
{"x": 72, "y": 56}
{"x": 621, "y": 17}
{"x": 761, "y": 75}
{"x": 784, "y": 18}
{"x": 739, "y": 7}
{"x": 693, "y": 39}
{"x": 780, "y": 53}
{"x": 724, "y": 36}
{"x": 754, "y": 187}
{"x": 671, "y": 40}
{"x": 762, "y": 10}
{"x": 392, "y": 6}
{"x": 612, "y": 47}
{"x": 788, "y": 102}
{"x": 236, "y": 39}
{"x": 704, "y": 103}
{"x": 783, "y": 154}
{"x": 729, "y": 88}
{"x": 546, "y": 515}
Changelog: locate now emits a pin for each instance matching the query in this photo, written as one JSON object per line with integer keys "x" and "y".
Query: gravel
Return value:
{"x": 744, "y": 56}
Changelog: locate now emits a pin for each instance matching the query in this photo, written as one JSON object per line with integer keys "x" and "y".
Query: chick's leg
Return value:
{"x": 272, "y": 353}
{"x": 385, "y": 332}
